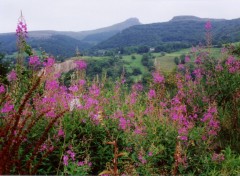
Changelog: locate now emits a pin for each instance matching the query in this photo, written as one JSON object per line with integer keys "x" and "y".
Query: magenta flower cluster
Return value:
{"x": 21, "y": 30}
{"x": 158, "y": 78}
{"x": 12, "y": 76}
{"x": 34, "y": 61}
{"x": 81, "y": 64}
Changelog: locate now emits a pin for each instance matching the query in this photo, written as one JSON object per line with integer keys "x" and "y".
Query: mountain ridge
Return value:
{"x": 185, "y": 32}
{"x": 83, "y": 39}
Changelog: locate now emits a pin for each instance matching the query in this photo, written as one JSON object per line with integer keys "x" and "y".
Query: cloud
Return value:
{"x": 77, "y": 15}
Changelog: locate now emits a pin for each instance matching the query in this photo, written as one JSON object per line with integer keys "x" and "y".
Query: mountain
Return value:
{"x": 64, "y": 43}
{"x": 57, "y": 45}
{"x": 91, "y": 36}
{"x": 193, "y": 18}
{"x": 180, "y": 32}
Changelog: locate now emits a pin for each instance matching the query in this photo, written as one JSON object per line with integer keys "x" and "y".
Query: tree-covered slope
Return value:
{"x": 187, "y": 31}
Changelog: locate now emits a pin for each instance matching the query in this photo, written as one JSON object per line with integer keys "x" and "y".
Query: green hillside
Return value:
{"x": 174, "y": 34}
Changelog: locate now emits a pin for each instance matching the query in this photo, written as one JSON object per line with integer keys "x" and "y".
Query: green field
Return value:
{"x": 165, "y": 62}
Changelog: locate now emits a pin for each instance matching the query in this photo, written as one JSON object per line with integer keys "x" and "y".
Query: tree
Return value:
{"x": 143, "y": 49}
{"x": 176, "y": 60}
{"x": 136, "y": 71}
{"x": 3, "y": 68}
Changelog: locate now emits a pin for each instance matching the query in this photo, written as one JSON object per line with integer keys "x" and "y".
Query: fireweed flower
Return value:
{"x": 137, "y": 87}
{"x": 51, "y": 85}
{"x": 73, "y": 88}
{"x": 49, "y": 62}
{"x": 133, "y": 98}
{"x": 118, "y": 114}
{"x": 8, "y": 107}
{"x": 12, "y": 76}
{"x": 212, "y": 124}
{"x": 232, "y": 64}
{"x": 51, "y": 114}
{"x": 61, "y": 133}
{"x": 81, "y": 64}
{"x": 71, "y": 154}
{"x": 131, "y": 114}
{"x": 21, "y": 29}
{"x": 34, "y": 61}
{"x": 2, "y": 89}
{"x": 198, "y": 72}
{"x": 142, "y": 159}
{"x": 151, "y": 94}
{"x": 218, "y": 157}
{"x": 208, "y": 26}
{"x": 181, "y": 67}
{"x": 123, "y": 123}
{"x": 157, "y": 78}
{"x": 187, "y": 59}
{"x": 198, "y": 60}
{"x": 81, "y": 163}
{"x": 219, "y": 67}
{"x": 82, "y": 82}
{"x": 65, "y": 160}
{"x": 90, "y": 102}
{"x": 94, "y": 90}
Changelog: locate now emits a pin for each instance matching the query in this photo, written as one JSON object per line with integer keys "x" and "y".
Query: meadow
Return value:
{"x": 183, "y": 122}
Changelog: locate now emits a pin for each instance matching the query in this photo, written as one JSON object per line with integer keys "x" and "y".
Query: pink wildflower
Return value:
{"x": 2, "y": 89}
{"x": 12, "y": 76}
{"x": 218, "y": 157}
{"x": 49, "y": 62}
{"x": 151, "y": 94}
{"x": 158, "y": 78}
{"x": 72, "y": 154}
{"x": 198, "y": 72}
{"x": 73, "y": 88}
{"x": 123, "y": 123}
{"x": 34, "y": 61}
{"x": 137, "y": 87}
{"x": 8, "y": 107}
{"x": 219, "y": 67}
{"x": 180, "y": 66}
{"x": 82, "y": 82}
{"x": 131, "y": 114}
{"x": 187, "y": 59}
{"x": 133, "y": 98}
{"x": 198, "y": 60}
{"x": 51, "y": 114}
{"x": 52, "y": 85}
{"x": 94, "y": 90}
{"x": 80, "y": 163}
{"x": 208, "y": 26}
{"x": 21, "y": 30}
{"x": 65, "y": 160}
{"x": 61, "y": 133}
{"x": 81, "y": 64}
{"x": 142, "y": 159}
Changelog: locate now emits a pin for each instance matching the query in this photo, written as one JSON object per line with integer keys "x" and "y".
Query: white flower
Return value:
{"x": 74, "y": 103}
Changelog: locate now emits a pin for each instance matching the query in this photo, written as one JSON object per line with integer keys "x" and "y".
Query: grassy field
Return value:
{"x": 163, "y": 62}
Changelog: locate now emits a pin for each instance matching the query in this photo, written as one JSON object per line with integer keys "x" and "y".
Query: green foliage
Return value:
{"x": 173, "y": 35}
{"x": 4, "y": 69}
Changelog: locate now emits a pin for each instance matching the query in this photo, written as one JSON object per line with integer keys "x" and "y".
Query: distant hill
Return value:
{"x": 91, "y": 36}
{"x": 180, "y": 32}
{"x": 193, "y": 18}
{"x": 64, "y": 43}
{"x": 57, "y": 45}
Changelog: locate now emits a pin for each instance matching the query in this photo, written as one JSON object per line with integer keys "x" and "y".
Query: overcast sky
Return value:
{"x": 78, "y": 15}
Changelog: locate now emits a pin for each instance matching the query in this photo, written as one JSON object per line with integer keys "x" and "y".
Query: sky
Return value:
{"x": 80, "y": 15}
